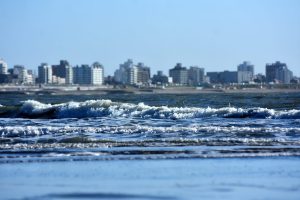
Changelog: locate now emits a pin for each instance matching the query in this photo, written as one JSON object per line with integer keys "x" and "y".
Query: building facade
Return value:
{"x": 88, "y": 75}
{"x": 131, "y": 74}
{"x": 3, "y": 67}
{"x": 225, "y": 77}
{"x": 60, "y": 69}
{"x": 245, "y": 72}
{"x": 179, "y": 74}
{"x": 160, "y": 78}
{"x": 195, "y": 75}
{"x": 125, "y": 75}
{"x": 143, "y": 74}
{"x": 278, "y": 73}
{"x": 82, "y": 75}
{"x": 45, "y": 74}
{"x": 69, "y": 75}
{"x": 97, "y": 74}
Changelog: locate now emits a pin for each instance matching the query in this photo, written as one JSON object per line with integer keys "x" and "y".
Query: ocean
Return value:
{"x": 150, "y": 146}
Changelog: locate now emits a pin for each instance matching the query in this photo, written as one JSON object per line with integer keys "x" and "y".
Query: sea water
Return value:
{"x": 153, "y": 130}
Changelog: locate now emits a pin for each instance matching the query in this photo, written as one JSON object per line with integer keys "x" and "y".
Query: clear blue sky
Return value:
{"x": 214, "y": 34}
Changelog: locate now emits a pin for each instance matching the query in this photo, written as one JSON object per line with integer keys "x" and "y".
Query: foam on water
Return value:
{"x": 106, "y": 129}
{"x": 17, "y": 131}
{"x": 102, "y": 108}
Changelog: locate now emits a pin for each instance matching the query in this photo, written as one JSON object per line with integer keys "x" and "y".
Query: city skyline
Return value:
{"x": 130, "y": 73}
{"x": 214, "y": 35}
{"x": 166, "y": 71}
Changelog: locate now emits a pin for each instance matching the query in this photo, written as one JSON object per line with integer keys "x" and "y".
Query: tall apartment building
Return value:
{"x": 160, "y": 78}
{"x": 124, "y": 75}
{"x": 88, "y": 75}
{"x": 60, "y": 69}
{"x": 97, "y": 74}
{"x": 82, "y": 75}
{"x": 224, "y": 77}
{"x": 245, "y": 72}
{"x": 278, "y": 72}
{"x": 45, "y": 74}
{"x": 3, "y": 67}
{"x": 69, "y": 75}
{"x": 143, "y": 73}
{"x": 131, "y": 74}
{"x": 195, "y": 75}
{"x": 23, "y": 75}
{"x": 179, "y": 74}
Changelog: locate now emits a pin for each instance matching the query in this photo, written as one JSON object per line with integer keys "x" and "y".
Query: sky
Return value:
{"x": 214, "y": 34}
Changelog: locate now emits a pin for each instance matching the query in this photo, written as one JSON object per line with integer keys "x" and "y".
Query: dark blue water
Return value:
{"x": 149, "y": 126}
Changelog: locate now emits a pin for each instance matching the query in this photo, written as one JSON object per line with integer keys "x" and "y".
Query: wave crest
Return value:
{"x": 104, "y": 108}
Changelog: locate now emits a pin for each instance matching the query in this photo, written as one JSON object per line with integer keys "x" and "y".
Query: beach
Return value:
{"x": 150, "y": 146}
{"x": 229, "y": 178}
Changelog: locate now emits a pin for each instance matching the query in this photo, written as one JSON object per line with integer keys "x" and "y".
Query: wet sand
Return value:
{"x": 223, "y": 178}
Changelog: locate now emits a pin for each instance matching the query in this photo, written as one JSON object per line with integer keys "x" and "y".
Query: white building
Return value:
{"x": 97, "y": 74}
{"x": 128, "y": 73}
{"x": 24, "y": 76}
{"x": 245, "y": 72}
{"x": 58, "y": 80}
{"x": 88, "y": 75}
{"x": 69, "y": 75}
{"x": 3, "y": 67}
{"x": 133, "y": 75}
{"x": 122, "y": 75}
{"x": 45, "y": 73}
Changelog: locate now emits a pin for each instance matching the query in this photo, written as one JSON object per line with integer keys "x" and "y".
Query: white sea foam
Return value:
{"x": 100, "y": 108}
{"x": 17, "y": 131}
{"x": 35, "y": 107}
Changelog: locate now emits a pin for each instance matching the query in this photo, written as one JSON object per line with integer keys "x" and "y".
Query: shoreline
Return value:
{"x": 274, "y": 178}
{"x": 88, "y": 90}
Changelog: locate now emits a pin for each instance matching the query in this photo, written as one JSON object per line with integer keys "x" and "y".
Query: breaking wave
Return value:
{"x": 108, "y": 108}
{"x": 20, "y": 131}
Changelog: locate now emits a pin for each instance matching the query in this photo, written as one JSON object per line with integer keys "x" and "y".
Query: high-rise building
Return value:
{"x": 245, "y": 72}
{"x": 88, "y": 75}
{"x": 128, "y": 73}
{"x": 195, "y": 75}
{"x": 133, "y": 75}
{"x": 20, "y": 73}
{"x": 69, "y": 75}
{"x": 278, "y": 72}
{"x": 228, "y": 77}
{"x": 45, "y": 73}
{"x": 3, "y": 67}
{"x": 82, "y": 75}
{"x": 160, "y": 78}
{"x": 23, "y": 75}
{"x": 284, "y": 75}
{"x": 214, "y": 77}
{"x": 60, "y": 70}
{"x": 30, "y": 77}
{"x": 97, "y": 74}
{"x": 17, "y": 69}
{"x": 122, "y": 75}
{"x": 179, "y": 74}
{"x": 224, "y": 77}
{"x": 143, "y": 74}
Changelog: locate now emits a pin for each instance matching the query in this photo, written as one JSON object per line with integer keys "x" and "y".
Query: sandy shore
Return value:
{"x": 230, "y": 178}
